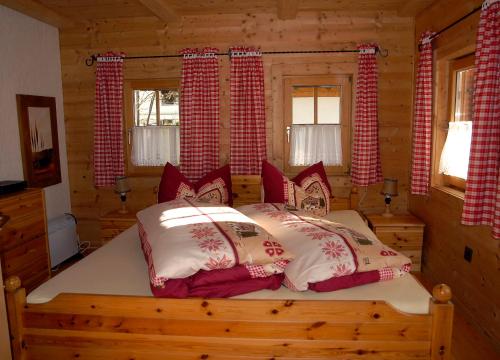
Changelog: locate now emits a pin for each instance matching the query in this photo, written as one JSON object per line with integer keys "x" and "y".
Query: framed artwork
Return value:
{"x": 39, "y": 141}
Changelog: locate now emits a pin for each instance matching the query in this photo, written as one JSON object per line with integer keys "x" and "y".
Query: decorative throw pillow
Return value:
{"x": 215, "y": 187}
{"x": 211, "y": 239}
{"x": 308, "y": 191}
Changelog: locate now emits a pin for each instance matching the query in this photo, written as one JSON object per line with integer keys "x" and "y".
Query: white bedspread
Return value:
{"x": 119, "y": 268}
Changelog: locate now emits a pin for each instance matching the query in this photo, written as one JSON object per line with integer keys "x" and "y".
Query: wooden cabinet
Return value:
{"x": 23, "y": 245}
{"x": 403, "y": 233}
{"x": 114, "y": 223}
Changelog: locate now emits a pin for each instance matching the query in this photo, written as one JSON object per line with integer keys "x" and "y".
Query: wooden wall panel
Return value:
{"x": 309, "y": 31}
{"x": 476, "y": 285}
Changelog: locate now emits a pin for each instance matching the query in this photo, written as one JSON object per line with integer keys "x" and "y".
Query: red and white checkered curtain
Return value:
{"x": 482, "y": 193}
{"x": 108, "y": 126}
{"x": 199, "y": 123}
{"x": 366, "y": 168}
{"x": 248, "y": 118}
{"x": 422, "y": 120}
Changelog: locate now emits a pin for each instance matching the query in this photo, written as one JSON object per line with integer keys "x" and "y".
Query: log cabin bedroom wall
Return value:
{"x": 112, "y": 27}
{"x": 316, "y": 30}
{"x": 477, "y": 283}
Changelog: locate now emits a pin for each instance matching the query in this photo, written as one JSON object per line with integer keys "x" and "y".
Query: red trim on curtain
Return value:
{"x": 482, "y": 194}
{"x": 199, "y": 125}
{"x": 108, "y": 126}
{"x": 248, "y": 118}
{"x": 366, "y": 168}
{"x": 422, "y": 121}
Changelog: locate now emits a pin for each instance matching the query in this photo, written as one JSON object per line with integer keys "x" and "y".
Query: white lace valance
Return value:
{"x": 312, "y": 143}
{"x": 455, "y": 156}
{"x": 155, "y": 145}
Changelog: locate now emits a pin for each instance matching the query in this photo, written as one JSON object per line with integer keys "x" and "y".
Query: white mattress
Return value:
{"x": 119, "y": 268}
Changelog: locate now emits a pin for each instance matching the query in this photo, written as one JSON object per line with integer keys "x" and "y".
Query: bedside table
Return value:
{"x": 403, "y": 233}
{"x": 114, "y": 223}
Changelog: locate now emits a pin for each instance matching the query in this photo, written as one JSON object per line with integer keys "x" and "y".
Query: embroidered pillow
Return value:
{"x": 215, "y": 187}
{"x": 317, "y": 169}
{"x": 308, "y": 191}
{"x": 181, "y": 237}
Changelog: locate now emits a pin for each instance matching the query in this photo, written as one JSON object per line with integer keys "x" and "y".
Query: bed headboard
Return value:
{"x": 246, "y": 190}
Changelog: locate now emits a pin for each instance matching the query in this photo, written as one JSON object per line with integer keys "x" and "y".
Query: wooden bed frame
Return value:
{"x": 79, "y": 326}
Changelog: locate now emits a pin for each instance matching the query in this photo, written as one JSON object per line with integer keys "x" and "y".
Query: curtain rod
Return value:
{"x": 383, "y": 52}
{"x": 451, "y": 25}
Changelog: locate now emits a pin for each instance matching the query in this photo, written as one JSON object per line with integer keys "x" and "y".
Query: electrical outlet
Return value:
{"x": 468, "y": 254}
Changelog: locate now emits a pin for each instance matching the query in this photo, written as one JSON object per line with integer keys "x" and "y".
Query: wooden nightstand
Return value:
{"x": 403, "y": 233}
{"x": 114, "y": 223}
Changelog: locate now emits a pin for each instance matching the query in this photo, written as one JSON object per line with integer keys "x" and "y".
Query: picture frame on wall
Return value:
{"x": 39, "y": 140}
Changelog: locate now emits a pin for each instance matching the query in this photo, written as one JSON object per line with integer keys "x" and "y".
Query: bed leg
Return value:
{"x": 16, "y": 300}
{"x": 442, "y": 322}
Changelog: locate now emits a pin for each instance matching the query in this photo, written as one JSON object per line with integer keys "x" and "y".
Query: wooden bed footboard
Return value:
{"x": 125, "y": 327}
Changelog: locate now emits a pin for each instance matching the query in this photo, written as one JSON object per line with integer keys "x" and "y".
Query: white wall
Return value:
{"x": 30, "y": 64}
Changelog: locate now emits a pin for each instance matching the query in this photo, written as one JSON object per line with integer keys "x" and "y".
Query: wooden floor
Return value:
{"x": 467, "y": 343}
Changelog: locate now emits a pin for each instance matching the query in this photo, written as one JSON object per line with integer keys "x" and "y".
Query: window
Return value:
{"x": 317, "y": 121}
{"x": 454, "y": 158}
{"x": 152, "y": 123}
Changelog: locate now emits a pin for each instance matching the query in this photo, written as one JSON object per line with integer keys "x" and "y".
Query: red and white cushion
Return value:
{"x": 181, "y": 237}
{"x": 308, "y": 191}
{"x": 214, "y": 188}
{"x": 328, "y": 256}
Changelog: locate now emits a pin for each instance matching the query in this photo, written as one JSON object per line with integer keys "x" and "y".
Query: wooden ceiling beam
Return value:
{"x": 40, "y": 12}
{"x": 287, "y": 9}
{"x": 161, "y": 9}
{"x": 412, "y": 8}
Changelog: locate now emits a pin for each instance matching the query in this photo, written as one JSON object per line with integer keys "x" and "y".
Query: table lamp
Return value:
{"x": 122, "y": 187}
{"x": 389, "y": 190}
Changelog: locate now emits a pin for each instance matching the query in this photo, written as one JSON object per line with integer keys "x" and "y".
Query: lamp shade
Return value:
{"x": 390, "y": 187}
{"x": 121, "y": 185}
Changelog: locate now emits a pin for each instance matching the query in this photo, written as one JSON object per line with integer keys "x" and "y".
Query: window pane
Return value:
{"x": 303, "y": 105}
{"x": 463, "y": 95}
{"x": 145, "y": 107}
{"x": 169, "y": 107}
{"x": 329, "y": 105}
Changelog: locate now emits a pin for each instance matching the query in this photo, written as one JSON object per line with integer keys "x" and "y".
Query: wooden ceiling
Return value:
{"x": 65, "y": 13}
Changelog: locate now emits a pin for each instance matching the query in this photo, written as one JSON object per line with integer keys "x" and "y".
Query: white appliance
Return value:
{"x": 63, "y": 239}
